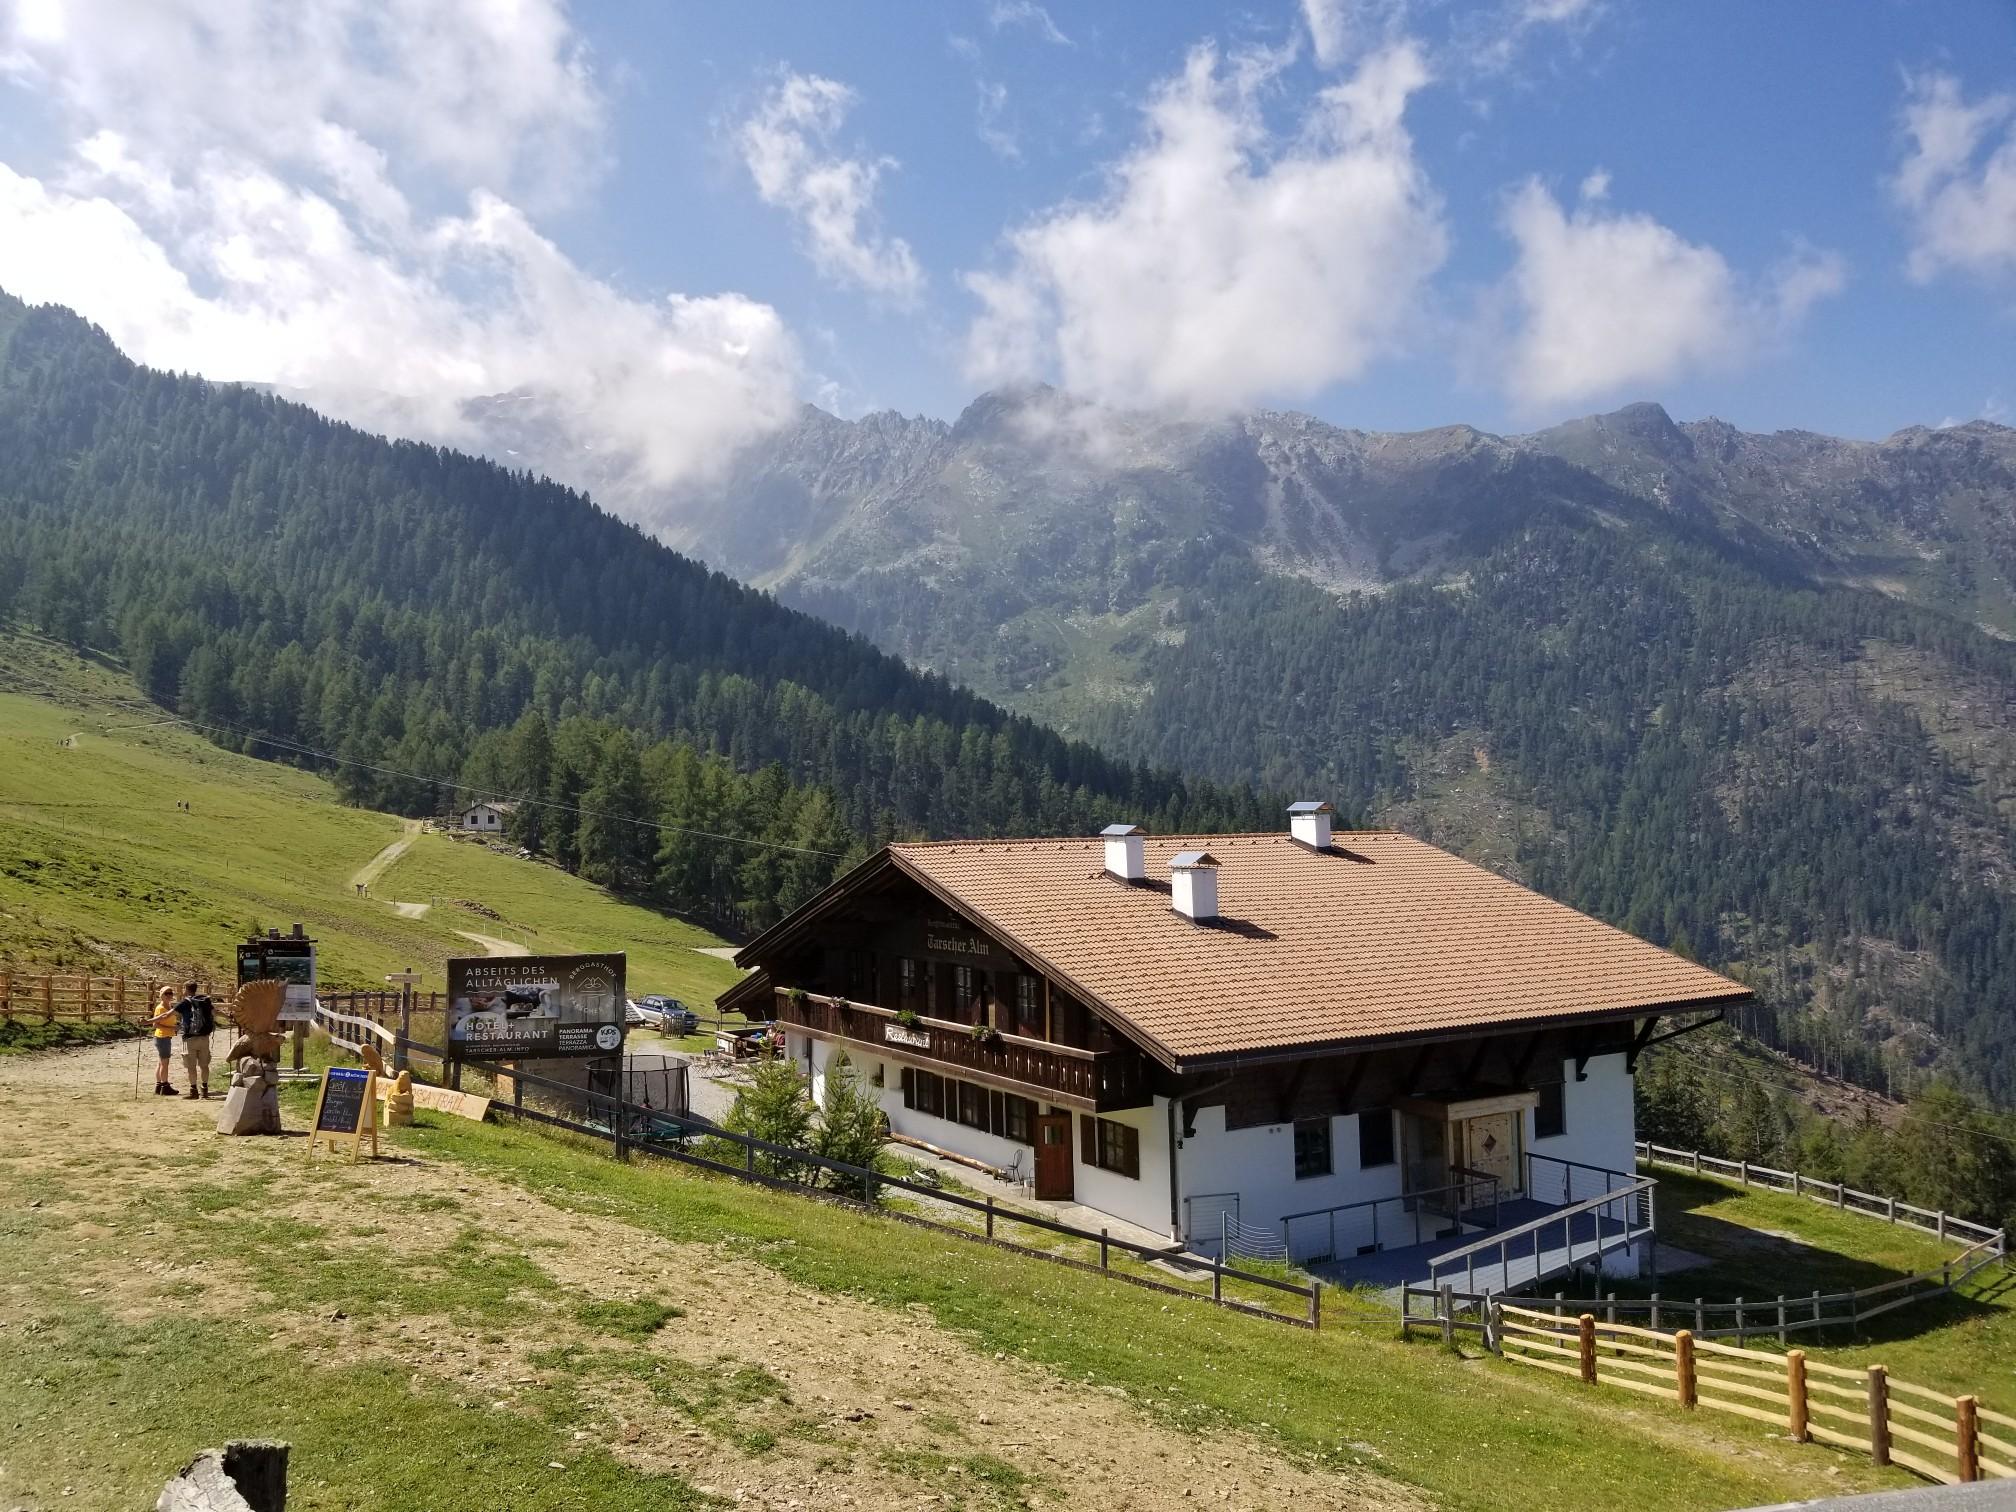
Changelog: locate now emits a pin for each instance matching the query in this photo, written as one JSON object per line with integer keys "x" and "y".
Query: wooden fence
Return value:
{"x": 1834, "y": 1194}
{"x": 1748, "y": 1318}
{"x": 1943, "y": 1438}
{"x": 55, "y": 999}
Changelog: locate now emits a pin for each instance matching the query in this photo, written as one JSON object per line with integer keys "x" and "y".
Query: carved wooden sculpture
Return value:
{"x": 252, "y": 1106}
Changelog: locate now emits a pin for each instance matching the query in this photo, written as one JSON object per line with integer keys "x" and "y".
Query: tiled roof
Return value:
{"x": 1383, "y": 937}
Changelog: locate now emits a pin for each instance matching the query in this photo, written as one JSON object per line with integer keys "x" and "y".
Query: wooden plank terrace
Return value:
{"x": 1095, "y": 1081}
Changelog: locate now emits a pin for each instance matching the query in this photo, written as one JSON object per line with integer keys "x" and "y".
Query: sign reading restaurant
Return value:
{"x": 506, "y": 1007}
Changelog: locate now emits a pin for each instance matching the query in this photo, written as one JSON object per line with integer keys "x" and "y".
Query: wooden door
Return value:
{"x": 1491, "y": 1145}
{"x": 1053, "y": 1155}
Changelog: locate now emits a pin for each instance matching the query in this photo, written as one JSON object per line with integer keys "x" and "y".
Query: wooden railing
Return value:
{"x": 1097, "y": 1079}
{"x": 1834, "y": 1194}
{"x": 45, "y": 998}
{"x": 1948, "y": 1437}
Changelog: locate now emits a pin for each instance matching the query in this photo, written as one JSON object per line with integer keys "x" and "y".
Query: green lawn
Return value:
{"x": 103, "y": 870}
{"x": 1764, "y": 1243}
{"x": 1354, "y": 1391}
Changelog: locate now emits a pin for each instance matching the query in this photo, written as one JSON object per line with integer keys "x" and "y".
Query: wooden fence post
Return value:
{"x": 1587, "y": 1345}
{"x": 1742, "y": 1337}
{"x": 1966, "y": 1447}
{"x": 1795, "y": 1394}
{"x": 1316, "y": 1305}
{"x": 1879, "y": 1415}
{"x": 1102, "y": 1249}
{"x": 1655, "y": 1311}
{"x": 990, "y": 1220}
{"x": 1217, "y": 1279}
{"x": 1697, "y": 1162}
{"x": 1683, "y": 1369}
{"x": 48, "y": 1000}
{"x": 1447, "y": 1298}
{"x": 1743, "y": 1171}
{"x": 1700, "y": 1317}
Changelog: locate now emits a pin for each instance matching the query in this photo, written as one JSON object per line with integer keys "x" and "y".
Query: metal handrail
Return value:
{"x": 1461, "y": 1206}
{"x": 1643, "y": 1186}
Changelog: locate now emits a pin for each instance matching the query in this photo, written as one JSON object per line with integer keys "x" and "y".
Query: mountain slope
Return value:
{"x": 1624, "y": 659}
{"x": 268, "y": 571}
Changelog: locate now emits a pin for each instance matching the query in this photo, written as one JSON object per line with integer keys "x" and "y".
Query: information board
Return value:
{"x": 346, "y": 1108}
{"x": 282, "y": 958}
{"x": 535, "y": 1007}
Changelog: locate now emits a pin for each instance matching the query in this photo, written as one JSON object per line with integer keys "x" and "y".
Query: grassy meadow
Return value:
{"x": 132, "y": 844}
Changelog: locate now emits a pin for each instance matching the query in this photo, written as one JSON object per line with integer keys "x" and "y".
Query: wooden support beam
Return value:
{"x": 1585, "y": 1046}
{"x": 1524, "y": 1061}
{"x": 1476, "y": 1062}
{"x": 1352, "y": 1079}
{"x": 1285, "y": 1103}
{"x": 1639, "y": 1042}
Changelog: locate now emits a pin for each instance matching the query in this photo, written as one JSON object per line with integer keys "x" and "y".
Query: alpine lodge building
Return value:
{"x": 1354, "y": 1047}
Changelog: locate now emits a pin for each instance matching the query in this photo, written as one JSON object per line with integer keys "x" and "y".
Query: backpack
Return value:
{"x": 198, "y": 1015}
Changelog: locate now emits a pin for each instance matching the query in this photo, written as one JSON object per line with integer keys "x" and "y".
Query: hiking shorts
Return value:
{"x": 165, "y": 1048}
{"x": 196, "y": 1059}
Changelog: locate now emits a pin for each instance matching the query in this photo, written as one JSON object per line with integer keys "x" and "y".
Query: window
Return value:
{"x": 923, "y": 1092}
{"x": 972, "y": 1105}
{"x": 1312, "y": 1148}
{"x": 1028, "y": 1006}
{"x": 1112, "y": 1146}
{"x": 962, "y": 994}
{"x": 1550, "y": 1117}
{"x": 1375, "y": 1138}
{"x": 1018, "y": 1118}
{"x": 909, "y": 982}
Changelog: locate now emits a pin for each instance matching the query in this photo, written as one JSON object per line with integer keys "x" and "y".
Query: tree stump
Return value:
{"x": 246, "y": 1475}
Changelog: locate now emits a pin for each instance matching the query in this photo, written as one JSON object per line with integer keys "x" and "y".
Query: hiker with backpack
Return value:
{"x": 196, "y": 1016}
{"x": 165, "y": 1018}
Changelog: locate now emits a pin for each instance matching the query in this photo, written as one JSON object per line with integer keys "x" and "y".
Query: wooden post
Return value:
{"x": 1655, "y": 1311}
{"x": 1587, "y": 1345}
{"x": 1742, "y": 1337}
{"x": 990, "y": 1215}
{"x": 1316, "y": 1305}
{"x": 1683, "y": 1369}
{"x": 1447, "y": 1298}
{"x": 1879, "y": 1415}
{"x": 1102, "y": 1249}
{"x": 1795, "y": 1394}
{"x": 1743, "y": 1171}
{"x": 1610, "y": 1307}
{"x": 1890, "y": 1208}
{"x": 48, "y": 1000}
{"x": 119, "y": 998}
{"x": 1942, "y": 1225}
{"x": 1697, "y": 1162}
{"x": 1700, "y": 1317}
{"x": 1966, "y": 1446}
{"x": 1781, "y": 1318}
{"x": 1217, "y": 1280}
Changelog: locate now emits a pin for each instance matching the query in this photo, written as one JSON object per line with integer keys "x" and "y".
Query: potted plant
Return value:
{"x": 986, "y": 1034}
{"x": 797, "y": 997}
{"x": 908, "y": 1018}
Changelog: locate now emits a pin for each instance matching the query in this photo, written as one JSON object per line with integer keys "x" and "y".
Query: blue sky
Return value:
{"x": 681, "y": 219}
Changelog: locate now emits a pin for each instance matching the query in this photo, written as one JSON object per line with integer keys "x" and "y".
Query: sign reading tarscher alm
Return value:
{"x": 535, "y": 1007}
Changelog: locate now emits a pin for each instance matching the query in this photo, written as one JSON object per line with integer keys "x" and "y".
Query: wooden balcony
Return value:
{"x": 1096, "y": 1081}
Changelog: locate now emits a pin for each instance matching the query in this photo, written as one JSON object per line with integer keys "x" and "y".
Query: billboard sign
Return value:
{"x": 535, "y": 1007}
{"x": 282, "y": 958}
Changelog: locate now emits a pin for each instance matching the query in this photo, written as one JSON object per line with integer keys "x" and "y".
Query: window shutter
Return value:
{"x": 1089, "y": 1127}
{"x": 909, "y": 1088}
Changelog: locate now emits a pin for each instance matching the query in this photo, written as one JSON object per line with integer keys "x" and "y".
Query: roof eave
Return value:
{"x": 1364, "y": 1044}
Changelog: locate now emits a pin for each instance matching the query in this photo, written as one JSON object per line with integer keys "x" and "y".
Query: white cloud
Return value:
{"x": 991, "y": 122}
{"x": 317, "y": 194}
{"x": 1007, "y": 13}
{"x": 1330, "y": 29}
{"x": 1957, "y": 179}
{"x": 1223, "y": 265}
{"x": 1601, "y": 301}
{"x": 787, "y": 145}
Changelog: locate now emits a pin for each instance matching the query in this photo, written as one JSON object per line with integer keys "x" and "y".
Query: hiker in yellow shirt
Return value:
{"x": 164, "y": 1043}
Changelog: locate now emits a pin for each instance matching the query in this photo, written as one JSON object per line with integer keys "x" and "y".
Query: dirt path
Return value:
{"x": 835, "y": 1402}
{"x": 371, "y": 870}
{"x": 719, "y": 952}
{"x": 494, "y": 946}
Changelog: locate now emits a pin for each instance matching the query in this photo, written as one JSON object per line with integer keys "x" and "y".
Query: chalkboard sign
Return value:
{"x": 347, "y": 1108}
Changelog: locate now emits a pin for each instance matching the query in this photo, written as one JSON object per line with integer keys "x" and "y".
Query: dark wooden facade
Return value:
{"x": 897, "y": 972}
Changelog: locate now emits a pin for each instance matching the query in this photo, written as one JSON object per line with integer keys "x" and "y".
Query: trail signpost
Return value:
{"x": 346, "y": 1108}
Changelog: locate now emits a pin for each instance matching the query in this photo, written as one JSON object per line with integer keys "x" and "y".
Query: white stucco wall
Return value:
{"x": 1599, "y": 1128}
{"x": 945, "y": 1133}
{"x": 1259, "y": 1165}
{"x": 1144, "y": 1203}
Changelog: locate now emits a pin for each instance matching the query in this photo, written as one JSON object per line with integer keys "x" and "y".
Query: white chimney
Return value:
{"x": 1309, "y": 824}
{"x": 1193, "y": 884}
{"x": 1123, "y": 852}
